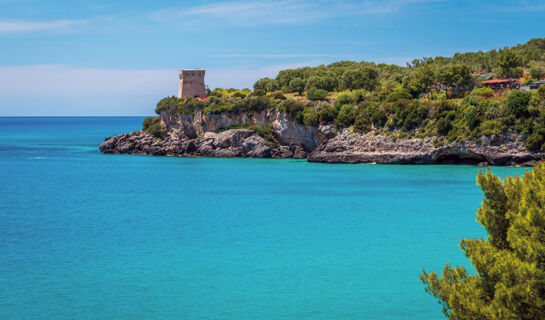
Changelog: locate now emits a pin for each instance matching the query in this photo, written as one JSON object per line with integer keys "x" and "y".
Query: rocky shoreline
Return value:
{"x": 201, "y": 135}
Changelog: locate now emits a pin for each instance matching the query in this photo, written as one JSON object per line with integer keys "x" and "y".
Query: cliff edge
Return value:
{"x": 221, "y": 135}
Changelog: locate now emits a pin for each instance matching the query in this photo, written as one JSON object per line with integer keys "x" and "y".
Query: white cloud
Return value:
{"x": 277, "y": 12}
{"x": 20, "y": 26}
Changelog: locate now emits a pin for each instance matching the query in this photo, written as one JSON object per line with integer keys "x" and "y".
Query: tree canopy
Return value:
{"x": 508, "y": 62}
{"x": 510, "y": 264}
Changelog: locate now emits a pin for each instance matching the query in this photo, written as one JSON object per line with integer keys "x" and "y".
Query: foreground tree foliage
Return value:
{"x": 510, "y": 263}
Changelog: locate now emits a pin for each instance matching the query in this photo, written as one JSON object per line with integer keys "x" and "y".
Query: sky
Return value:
{"x": 118, "y": 58}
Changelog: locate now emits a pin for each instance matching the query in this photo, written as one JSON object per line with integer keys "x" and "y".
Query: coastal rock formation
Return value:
{"x": 227, "y": 144}
{"x": 200, "y": 135}
{"x": 286, "y": 130}
{"x": 349, "y": 147}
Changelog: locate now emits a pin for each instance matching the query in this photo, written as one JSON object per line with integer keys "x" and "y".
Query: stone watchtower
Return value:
{"x": 192, "y": 84}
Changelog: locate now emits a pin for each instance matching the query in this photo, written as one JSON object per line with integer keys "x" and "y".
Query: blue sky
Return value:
{"x": 81, "y": 57}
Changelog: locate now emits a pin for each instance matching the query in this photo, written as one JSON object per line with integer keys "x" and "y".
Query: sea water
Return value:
{"x": 85, "y": 235}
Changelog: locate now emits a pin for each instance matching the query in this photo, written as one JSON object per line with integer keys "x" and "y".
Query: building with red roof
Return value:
{"x": 501, "y": 84}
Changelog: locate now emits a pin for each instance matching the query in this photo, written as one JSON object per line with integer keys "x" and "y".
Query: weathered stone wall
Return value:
{"x": 191, "y": 84}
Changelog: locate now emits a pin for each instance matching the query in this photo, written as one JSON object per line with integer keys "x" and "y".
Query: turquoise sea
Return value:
{"x": 90, "y": 236}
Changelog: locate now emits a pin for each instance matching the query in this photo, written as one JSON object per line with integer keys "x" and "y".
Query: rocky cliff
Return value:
{"x": 203, "y": 135}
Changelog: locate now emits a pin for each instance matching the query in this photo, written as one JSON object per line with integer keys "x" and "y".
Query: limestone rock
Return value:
{"x": 194, "y": 135}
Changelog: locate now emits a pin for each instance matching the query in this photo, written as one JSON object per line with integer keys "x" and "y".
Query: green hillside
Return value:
{"x": 439, "y": 97}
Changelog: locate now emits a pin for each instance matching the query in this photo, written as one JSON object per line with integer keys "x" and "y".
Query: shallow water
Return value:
{"x": 92, "y": 236}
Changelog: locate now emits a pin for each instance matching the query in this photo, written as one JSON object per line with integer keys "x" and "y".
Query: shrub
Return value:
{"x": 152, "y": 125}
{"x": 471, "y": 117}
{"x": 218, "y": 92}
{"x": 379, "y": 117}
{"x": 149, "y": 121}
{"x": 169, "y": 104}
{"x": 156, "y": 130}
{"x": 484, "y": 92}
{"x": 534, "y": 141}
{"x": 517, "y": 103}
{"x": 311, "y": 118}
{"x": 470, "y": 100}
{"x": 443, "y": 126}
{"x": 537, "y": 72}
{"x": 291, "y": 107}
{"x": 541, "y": 92}
{"x": 345, "y": 98}
{"x": 346, "y": 116}
{"x": 264, "y": 132}
{"x": 362, "y": 124}
{"x": 278, "y": 95}
{"x": 316, "y": 94}
{"x": 238, "y": 94}
{"x": 259, "y": 92}
{"x": 399, "y": 94}
{"x": 217, "y": 108}
{"x": 189, "y": 106}
{"x": 442, "y": 109}
{"x": 328, "y": 113}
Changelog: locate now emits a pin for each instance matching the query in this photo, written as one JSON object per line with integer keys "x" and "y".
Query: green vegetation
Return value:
{"x": 429, "y": 97}
{"x": 153, "y": 126}
{"x": 315, "y": 94}
{"x": 510, "y": 263}
{"x": 262, "y": 131}
{"x": 508, "y": 63}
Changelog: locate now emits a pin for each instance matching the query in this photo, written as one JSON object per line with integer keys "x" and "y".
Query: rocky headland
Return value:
{"x": 205, "y": 135}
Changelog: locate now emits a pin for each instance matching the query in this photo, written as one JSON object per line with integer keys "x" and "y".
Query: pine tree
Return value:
{"x": 510, "y": 263}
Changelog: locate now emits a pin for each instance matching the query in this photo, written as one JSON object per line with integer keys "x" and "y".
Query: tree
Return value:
{"x": 284, "y": 77}
{"x": 169, "y": 103}
{"x": 421, "y": 80}
{"x": 534, "y": 141}
{"x": 297, "y": 85}
{"x": 455, "y": 76}
{"x": 510, "y": 263}
{"x": 471, "y": 117}
{"x": 537, "y": 72}
{"x": 361, "y": 78}
{"x": 399, "y": 94}
{"x": 316, "y": 94}
{"x": 326, "y": 82}
{"x": 517, "y": 103}
{"x": 346, "y": 116}
{"x": 508, "y": 62}
{"x": 541, "y": 92}
{"x": 259, "y": 92}
{"x": 267, "y": 84}
{"x": 328, "y": 113}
